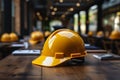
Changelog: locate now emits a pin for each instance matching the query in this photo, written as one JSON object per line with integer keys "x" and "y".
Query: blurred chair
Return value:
{"x": 117, "y": 46}
{"x": 91, "y": 40}
{"x": 107, "y": 45}
{"x": 99, "y": 42}
{"x": 85, "y": 38}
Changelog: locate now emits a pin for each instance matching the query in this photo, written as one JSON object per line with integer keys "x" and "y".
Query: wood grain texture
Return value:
{"x": 20, "y": 68}
{"x": 92, "y": 69}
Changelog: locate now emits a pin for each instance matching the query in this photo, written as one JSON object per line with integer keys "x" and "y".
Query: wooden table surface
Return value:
{"x": 20, "y": 68}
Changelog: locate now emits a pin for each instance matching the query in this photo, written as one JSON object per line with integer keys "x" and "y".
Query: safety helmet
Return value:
{"x": 60, "y": 46}
{"x": 13, "y": 37}
{"x": 100, "y": 34}
{"x": 47, "y": 33}
{"x": 36, "y": 37}
{"x": 115, "y": 35}
{"x": 90, "y": 33}
{"x": 5, "y": 37}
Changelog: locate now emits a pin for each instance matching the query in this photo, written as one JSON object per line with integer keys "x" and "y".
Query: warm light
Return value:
{"x": 63, "y": 16}
{"x": 77, "y": 4}
{"x": 71, "y": 9}
{"x": 118, "y": 13}
{"x": 40, "y": 17}
{"x": 51, "y": 7}
{"x": 38, "y": 14}
{"x": 55, "y": 9}
{"x": 53, "y": 13}
{"x": 61, "y": 1}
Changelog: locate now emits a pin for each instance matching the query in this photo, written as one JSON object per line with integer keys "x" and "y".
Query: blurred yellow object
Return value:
{"x": 115, "y": 35}
{"x": 5, "y": 37}
{"x": 13, "y": 37}
{"x": 118, "y": 13}
{"x": 60, "y": 46}
{"x": 90, "y": 33}
{"x": 36, "y": 37}
{"x": 47, "y": 33}
{"x": 100, "y": 34}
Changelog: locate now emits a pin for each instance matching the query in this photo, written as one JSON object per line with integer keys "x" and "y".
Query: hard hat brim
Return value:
{"x": 49, "y": 61}
{"x": 33, "y": 42}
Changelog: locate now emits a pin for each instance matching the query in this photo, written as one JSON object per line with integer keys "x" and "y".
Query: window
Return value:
{"x": 76, "y": 22}
{"x": 83, "y": 22}
{"x": 93, "y": 18}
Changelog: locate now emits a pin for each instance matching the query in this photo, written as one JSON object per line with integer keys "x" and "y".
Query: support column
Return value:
{"x": 29, "y": 18}
{"x": 17, "y": 17}
{"x": 0, "y": 18}
{"x": 99, "y": 19}
{"x": 7, "y": 16}
{"x": 23, "y": 18}
{"x": 30, "y": 21}
{"x": 87, "y": 21}
{"x": 79, "y": 29}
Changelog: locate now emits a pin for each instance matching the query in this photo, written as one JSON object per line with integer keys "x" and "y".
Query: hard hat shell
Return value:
{"x": 100, "y": 34}
{"x": 115, "y": 35}
{"x": 61, "y": 45}
{"x": 13, "y": 37}
{"x": 36, "y": 37}
{"x": 47, "y": 33}
{"x": 90, "y": 33}
{"x": 5, "y": 37}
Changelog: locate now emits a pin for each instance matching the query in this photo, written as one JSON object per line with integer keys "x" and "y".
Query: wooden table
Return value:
{"x": 20, "y": 68}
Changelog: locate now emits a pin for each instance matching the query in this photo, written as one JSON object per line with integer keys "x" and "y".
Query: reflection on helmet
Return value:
{"x": 13, "y": 37}
{"x": 36, "y": 37}
{"x": 115, "y": 35}
{"x": 5, "y": 37}
{"x": 61, "y": 45}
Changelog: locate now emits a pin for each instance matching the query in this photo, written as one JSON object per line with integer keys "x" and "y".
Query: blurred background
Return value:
{"x": 96, "y": 21}
{"x": 82, "y": 16}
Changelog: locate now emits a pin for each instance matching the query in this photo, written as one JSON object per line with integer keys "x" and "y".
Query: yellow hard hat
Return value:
{"x": 115, "y": 35}
{"x": 90, "y": 33}
{"x": 5, "y": 37}
{"x": 100, "y": 34}
{"x": 47, "y": 33}
{"x": 36, "y": 37}
{"x": 13, "y": 37}
{"x": 61, "y": 45}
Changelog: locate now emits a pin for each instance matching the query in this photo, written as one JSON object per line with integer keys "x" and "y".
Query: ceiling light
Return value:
{"x": 63, "y": 16}
{"x": 55, "y": 9}
{"x": 61, "y": 1}
{"x": 51, "y": 7}
{"x": 71, "y": 9}
{"x": 38, "y": 14}
{"x": 77, "y": 4}
{"x": 40, "y": 17}
{"x": 53, "y": 13}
